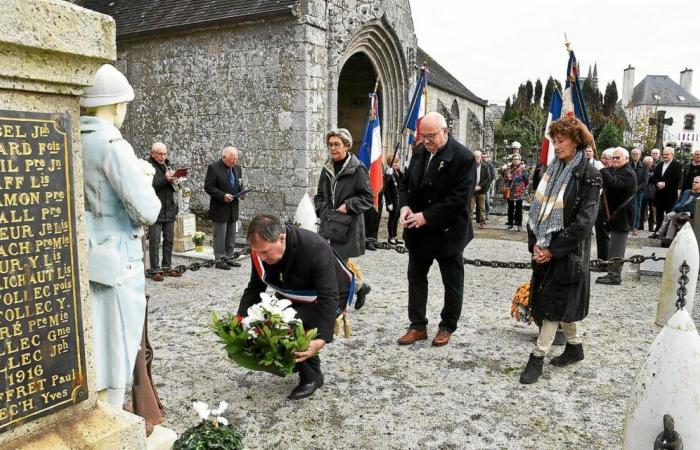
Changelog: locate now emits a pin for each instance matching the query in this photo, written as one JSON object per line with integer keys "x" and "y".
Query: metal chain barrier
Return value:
{"x": 682, "y": 281}
{"x": 669, "y": 438}
{"x": 195, "y": 266}
{"x": 387, "y": 246}
{"x": 594, "y": 263}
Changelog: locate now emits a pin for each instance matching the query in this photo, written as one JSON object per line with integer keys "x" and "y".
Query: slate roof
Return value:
{"x": 665, "y": 88}
{"x": 442, "y": 79}
{"x": 140, "y": 17}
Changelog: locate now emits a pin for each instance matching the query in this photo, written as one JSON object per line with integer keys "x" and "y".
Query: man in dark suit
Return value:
{"x": 435, "y": 211}
{"x": 223, "y": 184}
{"x": 620, "y": 188}
{"x": 164, "y": 184}
{"x": 667, "y": 179}
{"x": 481, "y": 188}
{"x": 293, "y": 261}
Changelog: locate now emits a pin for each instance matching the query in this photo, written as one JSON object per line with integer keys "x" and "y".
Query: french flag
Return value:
{"x": 547, "y": 150}
{"x": 370, "y": 152}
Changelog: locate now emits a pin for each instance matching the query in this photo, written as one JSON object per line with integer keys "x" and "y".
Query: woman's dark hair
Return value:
{"x": 572, "y": 128}
{"x": 265, "y": 227}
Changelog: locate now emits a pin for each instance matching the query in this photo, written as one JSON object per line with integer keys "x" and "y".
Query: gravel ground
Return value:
{"x": 380, "y": 395}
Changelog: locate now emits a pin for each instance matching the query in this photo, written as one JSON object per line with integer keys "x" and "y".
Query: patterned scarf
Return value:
{"x": 547, "y": 210}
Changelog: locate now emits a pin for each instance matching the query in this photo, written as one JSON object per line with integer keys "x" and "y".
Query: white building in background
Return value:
{"x": 660, "y": 92}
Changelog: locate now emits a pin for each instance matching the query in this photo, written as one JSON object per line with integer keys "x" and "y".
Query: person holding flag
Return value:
{"x": 370, "y": 154}
{"x": 343, "y": 195}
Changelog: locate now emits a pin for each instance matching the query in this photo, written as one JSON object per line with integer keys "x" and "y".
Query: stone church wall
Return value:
{"x": 468, "y": 126}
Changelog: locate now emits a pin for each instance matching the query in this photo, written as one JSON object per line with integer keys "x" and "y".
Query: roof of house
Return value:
{"x": 140, "y": 17}
{"x": 663, "y": 91}
{"x": 442, "y": 79}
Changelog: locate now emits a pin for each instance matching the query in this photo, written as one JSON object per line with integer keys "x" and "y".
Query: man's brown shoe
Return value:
{"x": 157, "y": 277}
{"x": 412, "y": 336}
{"x": 442, "y": 338}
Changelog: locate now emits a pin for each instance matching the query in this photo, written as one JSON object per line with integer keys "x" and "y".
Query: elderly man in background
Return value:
{"x": 640, "y": 170}
{"x": 483, "y": 182}
{"x": 435, "y": 200}
{"x": 164, "y": 184}
{"x": 620, "y": 188}
{"x": 224, "y": 185}
{"x": 691, "y": 171}
{"x": 667, "y": 179}
{"x": 655, "y": 157}
{"x": 602, "y": 234}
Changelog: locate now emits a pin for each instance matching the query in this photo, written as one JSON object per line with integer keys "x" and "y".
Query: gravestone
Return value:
{"x": 46, "y": 368}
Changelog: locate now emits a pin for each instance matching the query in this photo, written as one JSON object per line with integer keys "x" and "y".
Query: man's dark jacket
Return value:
{"x": 216, "y": 184}
{"x": 443, "y": 195}
{"x": 620, "y": 186}
{"x": 485, "y": 180}
{"x": 308, "y": 264}
{"x": 640, "y": 170}
{"x": 165, "y": 192}
{"x": 667, "y": 196}
{"x": 690, "y": 172}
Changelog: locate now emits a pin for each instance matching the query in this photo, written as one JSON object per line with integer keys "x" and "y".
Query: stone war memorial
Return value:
{"x": 47, "y": 395}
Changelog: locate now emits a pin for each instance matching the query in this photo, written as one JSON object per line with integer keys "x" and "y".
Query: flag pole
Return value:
{"x": 424, "y": 67}
{"x": 604, "y": 197}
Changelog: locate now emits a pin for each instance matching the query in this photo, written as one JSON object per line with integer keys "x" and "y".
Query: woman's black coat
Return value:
{"x": 560, "y": 289}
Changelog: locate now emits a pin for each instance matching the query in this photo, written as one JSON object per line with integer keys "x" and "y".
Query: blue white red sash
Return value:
{"x": 300, "y": 295}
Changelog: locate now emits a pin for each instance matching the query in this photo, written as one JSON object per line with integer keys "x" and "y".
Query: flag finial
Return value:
{"x": 567, "y": 43}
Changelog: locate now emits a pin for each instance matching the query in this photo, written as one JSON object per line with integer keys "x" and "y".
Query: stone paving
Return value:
{"x": 379, "y": 395}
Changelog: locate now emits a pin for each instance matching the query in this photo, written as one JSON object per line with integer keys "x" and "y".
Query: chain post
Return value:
{"x": 682, "y": 281}
{"x": 669, "y": 438}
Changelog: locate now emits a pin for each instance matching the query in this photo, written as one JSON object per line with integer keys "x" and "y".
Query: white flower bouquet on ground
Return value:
{"x": 266, "y": 338}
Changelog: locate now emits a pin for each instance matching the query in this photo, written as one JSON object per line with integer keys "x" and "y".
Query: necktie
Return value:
{"x": 232, "y": 178}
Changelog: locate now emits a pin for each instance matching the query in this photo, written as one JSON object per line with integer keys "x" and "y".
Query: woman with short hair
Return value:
{"x": 559, "y": 237}
{"x": 343, "y": 195}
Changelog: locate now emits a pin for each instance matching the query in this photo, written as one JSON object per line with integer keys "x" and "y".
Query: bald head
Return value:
{"x": 433, "y": 129}
{"x": 229, "y": 156}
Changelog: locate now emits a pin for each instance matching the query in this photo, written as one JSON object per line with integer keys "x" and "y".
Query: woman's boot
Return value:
{"x": 571, "y": 354}
{"x": 533, "y": 370}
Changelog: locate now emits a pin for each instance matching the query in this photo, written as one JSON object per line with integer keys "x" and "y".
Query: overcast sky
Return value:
{"x": 492, "y": 46}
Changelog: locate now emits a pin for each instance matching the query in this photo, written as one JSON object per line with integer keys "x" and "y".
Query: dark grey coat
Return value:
{"x": 165, "y": 192}
{"x": 349, "y": 186}
{"x": 217, "y": 185}
{"x": 620, "y": 187}
{"x": 560, "y": 289}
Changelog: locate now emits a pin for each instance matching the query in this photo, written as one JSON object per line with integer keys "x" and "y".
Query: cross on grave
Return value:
{"x": 660, "y": 121}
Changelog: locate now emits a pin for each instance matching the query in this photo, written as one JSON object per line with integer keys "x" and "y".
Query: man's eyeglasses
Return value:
{"x": 431, "y": 137}
{"x": 616, "y": 158}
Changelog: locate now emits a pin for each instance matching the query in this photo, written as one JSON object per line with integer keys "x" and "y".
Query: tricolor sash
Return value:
{"x": 300, "y": 295}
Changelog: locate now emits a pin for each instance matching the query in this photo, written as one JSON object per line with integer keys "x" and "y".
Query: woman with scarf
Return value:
{"x": 559, "y": 225}
{"x": 516, "y": 181}
{"x": 343, "y": 195}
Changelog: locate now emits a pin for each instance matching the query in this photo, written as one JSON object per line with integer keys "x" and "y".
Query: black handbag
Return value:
{"x": 335, "y": 226}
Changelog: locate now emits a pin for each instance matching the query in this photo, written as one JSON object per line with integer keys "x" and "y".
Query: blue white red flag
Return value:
{"x": 416, "y": 109}
{"x": 370, "y": 152}
{"x": 547, "y": 150}
{"x": 573, "y": 103}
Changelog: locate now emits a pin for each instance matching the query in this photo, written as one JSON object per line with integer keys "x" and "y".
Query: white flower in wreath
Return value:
{"x": 202, "y": 410}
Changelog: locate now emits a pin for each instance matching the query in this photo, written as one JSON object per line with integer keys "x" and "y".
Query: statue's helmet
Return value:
{"x": 111, "y": 87}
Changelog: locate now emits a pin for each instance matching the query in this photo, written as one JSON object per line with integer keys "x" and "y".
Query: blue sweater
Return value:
{"x": 687, "y": 202}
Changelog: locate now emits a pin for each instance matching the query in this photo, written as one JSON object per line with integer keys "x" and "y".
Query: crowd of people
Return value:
{"x": 434, "y": 199}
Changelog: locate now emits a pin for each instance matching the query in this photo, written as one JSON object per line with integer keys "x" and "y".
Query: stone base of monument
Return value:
{"x": 100, "y": 428}
{"x": 185, "y": 226}
{"x": 161, "y": 439}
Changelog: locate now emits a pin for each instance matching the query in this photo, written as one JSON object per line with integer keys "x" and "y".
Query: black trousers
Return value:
{"x": 647, "y": 207}
{"x": 515, "y": 213}
{"x": 372, "y": 219}
{"x": 452, "y": 272}
{"x": 167, "y": 229}
{"x": 602, "y": 236}
{"x": 393, "y": 223}
{"x": 309, "y": 370}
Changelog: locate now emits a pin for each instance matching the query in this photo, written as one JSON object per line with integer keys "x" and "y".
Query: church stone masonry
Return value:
{"x": 269, "y": 78}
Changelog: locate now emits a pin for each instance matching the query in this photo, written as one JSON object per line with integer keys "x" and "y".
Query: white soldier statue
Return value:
{"x": 119, "y": 200}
